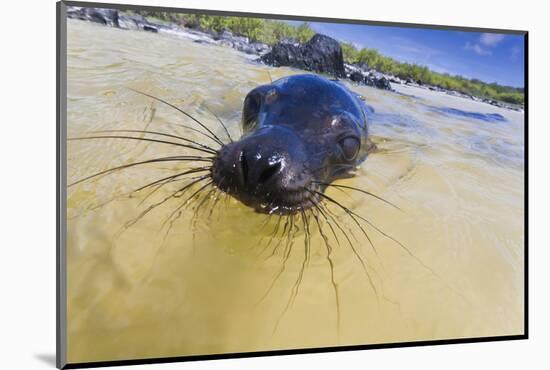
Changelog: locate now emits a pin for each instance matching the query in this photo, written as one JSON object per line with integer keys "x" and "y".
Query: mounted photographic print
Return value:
{"x": 235, "y": 184}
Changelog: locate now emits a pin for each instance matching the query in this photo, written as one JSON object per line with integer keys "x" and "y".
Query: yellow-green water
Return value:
{"x": 200, "y": 288}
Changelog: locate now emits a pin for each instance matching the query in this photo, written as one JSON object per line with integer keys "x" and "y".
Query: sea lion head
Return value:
{"x": 299, "y": 133}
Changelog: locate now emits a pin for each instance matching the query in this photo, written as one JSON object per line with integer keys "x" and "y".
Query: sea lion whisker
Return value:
{"x": 207, "y": 196}
{"x": 143, "y": 139}
{"x": 128, "y": 194}
{"x": 169, "y": 228}
{"x": 407, "y": 250}
{"x": 192, "y": 129}
{"x": 331, "y": 265}
{"x": 154, "y": 160}
{"x": 264, "y": 224}
{"x": 218, "y": 196}
{"x": 187, "y": 172}
{"x": 168, "y": 180}
{"x": 196, "y": 210}
{"x": 286, "y": 254}
{"x": 158, "y": 133}
{"x": 364, "y": 266}
{"x": 359, "y": 190}
{"x": 319, "y": 209}
{"x": 351, "y": 214}
{"x": 335, "y": 218}
{"x": 221, "y": 123}
{"x": 273, "y": 234}
{"x": 295, "y": 287}
{"x": 184, "y": 203}
{"x": 306, "y": 213}
{"x": 155, "y": 205}
{"x": 281, "y": 239}
{"x": 172, "y": 220}
{"x": 343, "y": 192}
{"x": 214, "y": 204}
{"x": 270, "y": 235}
{"x": 354, "y": 250}
{"x": 181, "y": 111}
{"x": 305, "y": 261}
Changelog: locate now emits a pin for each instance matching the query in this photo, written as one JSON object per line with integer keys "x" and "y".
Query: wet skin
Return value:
{"x": 299, "y": 133}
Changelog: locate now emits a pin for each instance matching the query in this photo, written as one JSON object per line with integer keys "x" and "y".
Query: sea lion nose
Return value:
{"x": 263, "y": 166}
{"x": 259, "y": 169}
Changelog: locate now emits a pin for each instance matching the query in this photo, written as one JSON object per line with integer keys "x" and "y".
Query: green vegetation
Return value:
{"x": 272, "y": 31}
{"x": 424, "y": 75}
{"x": 256, "y": 29}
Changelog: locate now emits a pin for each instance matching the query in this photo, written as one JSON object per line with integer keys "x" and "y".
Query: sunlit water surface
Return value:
{"x": 454, "y": 167}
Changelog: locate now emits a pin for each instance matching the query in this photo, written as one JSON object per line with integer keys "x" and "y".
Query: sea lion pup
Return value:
{"x": 300, "y": 133}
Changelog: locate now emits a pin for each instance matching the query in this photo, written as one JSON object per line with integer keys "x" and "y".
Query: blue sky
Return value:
{"x": 489, "y": 57}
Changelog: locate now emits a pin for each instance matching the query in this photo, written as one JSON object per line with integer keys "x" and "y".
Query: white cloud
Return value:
{"x": 477, "y": 49}
{"x": 407, "y": 48}
{"x": 491, "y": 39}
{"x": 485, "y": 43}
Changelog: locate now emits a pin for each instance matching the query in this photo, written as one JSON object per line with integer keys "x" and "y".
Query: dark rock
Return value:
{"x": 381, "y": 83}
{"x": 256, "y": 48}
{"x": 357, "y": 76}
{"x": 356, "y": 73}
{"x": 111, "y": 17}
{"x": 362, "y": 66}
{"x": 228, "y": 37}
{"x": 150, "y": 28}
{"x": 241, "y": 43}
{"x": 283, "y": 54}
{"x": 395, "y": 80}
{"x": 260, "y": 47}
{"x": 128, "y": 23}
{"x": 289, "y": 42}
{"x": 107, "y": 17}
{"x": 320, "y": 54}
{"x": 225, "y": 34}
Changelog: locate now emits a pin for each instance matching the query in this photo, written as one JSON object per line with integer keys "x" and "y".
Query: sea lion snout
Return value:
{"x": 265, "y": 168}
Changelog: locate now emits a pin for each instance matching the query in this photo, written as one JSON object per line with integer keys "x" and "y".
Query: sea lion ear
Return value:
{"x": 252, "y": 104}
{"x": 251, "y": 109}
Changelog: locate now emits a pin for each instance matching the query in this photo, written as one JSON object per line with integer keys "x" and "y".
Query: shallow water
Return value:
{"x": 454, "y": 167}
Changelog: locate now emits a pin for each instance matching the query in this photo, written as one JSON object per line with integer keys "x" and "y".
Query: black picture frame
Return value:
{"x": 61, "y": 105}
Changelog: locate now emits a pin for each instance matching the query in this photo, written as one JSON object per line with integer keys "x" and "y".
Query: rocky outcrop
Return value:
{"x": 241, "y": 43}
{"x": 113, "y": 18}
{"x": 138, "y": 22}
{"x": 360, "y": 74}
{"x": 108, "y": 17}
{"x": 321, "y": 54}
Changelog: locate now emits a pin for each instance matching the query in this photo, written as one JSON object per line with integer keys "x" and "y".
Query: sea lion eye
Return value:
{"x": 350, "y": 147}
